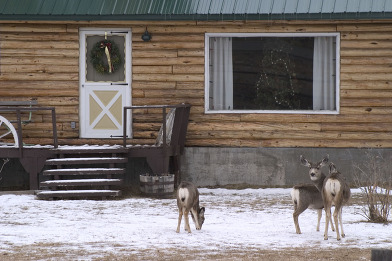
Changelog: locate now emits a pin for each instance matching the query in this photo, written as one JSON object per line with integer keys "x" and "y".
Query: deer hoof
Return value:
{"x": 343, "y": 235}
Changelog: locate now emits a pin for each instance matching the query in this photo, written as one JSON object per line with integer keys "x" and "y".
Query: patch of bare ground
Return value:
{"x": 45, "y": 252}
{"x": 254, "y": 254}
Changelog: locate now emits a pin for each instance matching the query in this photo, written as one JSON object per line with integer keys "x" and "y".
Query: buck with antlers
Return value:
{"x": 306, "y": 196}
{"x": 188, "y": 201}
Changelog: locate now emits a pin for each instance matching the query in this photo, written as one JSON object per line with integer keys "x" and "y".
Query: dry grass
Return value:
{"x": 45, "y": 252}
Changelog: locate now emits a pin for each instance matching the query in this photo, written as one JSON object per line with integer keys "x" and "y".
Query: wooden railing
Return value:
{"x": 158, "y": 155}
{"x": 164, "y": 113}
{"x": 13, "y": 107}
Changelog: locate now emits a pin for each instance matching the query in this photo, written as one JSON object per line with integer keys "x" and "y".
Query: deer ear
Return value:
{"x": 325, "y": 160}
{"x": 332, "y": 168}
{"x": 304, "y": 161}
{"x": 202, "y": 210}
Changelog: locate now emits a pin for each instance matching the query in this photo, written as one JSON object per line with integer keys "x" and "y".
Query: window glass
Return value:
{"x": 92, "y": 74}
{"x": 265, "y": 73}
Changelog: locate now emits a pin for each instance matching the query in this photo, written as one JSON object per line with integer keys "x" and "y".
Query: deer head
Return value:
{"x": 315, "y": 172}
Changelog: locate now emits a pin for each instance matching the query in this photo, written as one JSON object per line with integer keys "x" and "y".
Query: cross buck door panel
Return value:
{"x": 104, "y": 82}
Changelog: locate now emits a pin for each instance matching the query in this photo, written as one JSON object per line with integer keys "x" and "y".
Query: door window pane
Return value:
{"x": 92, "y": 74}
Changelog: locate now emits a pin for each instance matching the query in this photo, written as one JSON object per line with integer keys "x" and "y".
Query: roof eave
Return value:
{"x": 199, "y": 17}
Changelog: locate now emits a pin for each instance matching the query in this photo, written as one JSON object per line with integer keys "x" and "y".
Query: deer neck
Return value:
{"x": 319, "y": 183}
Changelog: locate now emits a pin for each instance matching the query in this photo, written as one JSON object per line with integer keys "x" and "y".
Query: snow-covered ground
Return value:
{"x": 250, "y": 218}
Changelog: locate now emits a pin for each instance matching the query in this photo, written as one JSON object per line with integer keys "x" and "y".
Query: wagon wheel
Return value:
{"x": 7, "y": 131}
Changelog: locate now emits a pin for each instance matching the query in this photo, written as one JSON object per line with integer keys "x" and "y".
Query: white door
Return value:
{"x": 105, "y": 78}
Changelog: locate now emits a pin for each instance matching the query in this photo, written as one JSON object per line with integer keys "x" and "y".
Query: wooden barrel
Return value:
{"x": 157, "y": 186}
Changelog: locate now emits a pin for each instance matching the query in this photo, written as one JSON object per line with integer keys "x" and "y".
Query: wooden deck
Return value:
{"x": 98, "y": 171}
{"x": 73, "y": 171}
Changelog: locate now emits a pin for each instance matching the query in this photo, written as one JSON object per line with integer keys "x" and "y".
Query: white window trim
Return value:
{"x": 207, "y": 72}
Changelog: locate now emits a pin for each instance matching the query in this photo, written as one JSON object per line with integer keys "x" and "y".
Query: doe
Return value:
{"x": 188, "y": 201}
{"x": 306, "y": 196}
{"x": 336, "y": 192}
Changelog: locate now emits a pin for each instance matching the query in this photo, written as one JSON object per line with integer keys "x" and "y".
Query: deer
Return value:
{"x": 335, "y": 191}
{"x": 306, "y": 196}
{"x": 188, "y": 201}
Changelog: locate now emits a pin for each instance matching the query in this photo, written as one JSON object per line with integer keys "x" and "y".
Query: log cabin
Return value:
{"x": 267, "y": 80}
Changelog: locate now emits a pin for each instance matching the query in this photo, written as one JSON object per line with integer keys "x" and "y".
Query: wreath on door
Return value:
{"x": 105, "y": 57}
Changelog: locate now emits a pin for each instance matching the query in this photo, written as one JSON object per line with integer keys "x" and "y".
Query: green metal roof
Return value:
{"x": 90, "y": 10}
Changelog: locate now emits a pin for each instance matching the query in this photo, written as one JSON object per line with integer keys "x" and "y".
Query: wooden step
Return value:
{"x": 78, "y": 194}
{"x": 85, "y": 171}
{"x": 81, "y": 182}
{"x": 89, "y": 149}
{"x": 90, "y": 160}
{"x": 68, "y": 164}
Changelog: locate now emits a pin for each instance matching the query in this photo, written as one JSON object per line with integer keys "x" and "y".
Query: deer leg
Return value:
{"x": 297, "y": 212}
{"x": 187, "y": 227}
{"x": 179, "y": 220}
{"x": 332, "y": 226}
{"x": 319, "y": 214}
{"x": 297, "y": 228}
{"x": 341, "y": 223}
{"x": 327, "y": 220}
{"x": 335, "y": 217}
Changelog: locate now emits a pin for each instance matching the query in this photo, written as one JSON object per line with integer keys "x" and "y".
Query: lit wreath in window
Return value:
{"x": 105, "y": 57}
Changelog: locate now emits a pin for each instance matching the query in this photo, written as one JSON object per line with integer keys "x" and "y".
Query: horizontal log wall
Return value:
{"x": 40, "y": 60}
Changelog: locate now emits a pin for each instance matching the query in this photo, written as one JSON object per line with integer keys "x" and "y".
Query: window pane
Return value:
{"x": 92, "y": 75}
{"x": 272, "y": 73}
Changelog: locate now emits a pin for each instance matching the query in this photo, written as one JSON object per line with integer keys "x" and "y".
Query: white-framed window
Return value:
{"x": 272, "y": 73}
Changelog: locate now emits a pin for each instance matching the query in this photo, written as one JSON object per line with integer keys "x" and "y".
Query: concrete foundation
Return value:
{"x": 247, "y": 167}
{"x": 268, "y": 166}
